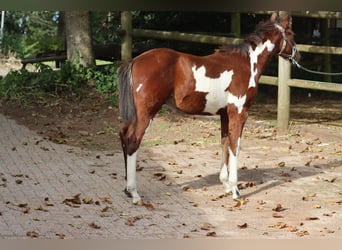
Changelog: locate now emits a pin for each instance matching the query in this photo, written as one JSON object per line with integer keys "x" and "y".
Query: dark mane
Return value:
{"x": 254, "y": 38}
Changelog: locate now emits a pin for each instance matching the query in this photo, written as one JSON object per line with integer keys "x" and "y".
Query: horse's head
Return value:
{"x": 287, "y": 45}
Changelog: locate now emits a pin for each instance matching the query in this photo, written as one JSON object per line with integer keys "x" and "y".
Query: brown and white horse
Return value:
{"x": 223, "y": 83}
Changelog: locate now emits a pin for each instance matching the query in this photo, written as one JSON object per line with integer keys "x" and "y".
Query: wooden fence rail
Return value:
{"x": 283, "y": 81}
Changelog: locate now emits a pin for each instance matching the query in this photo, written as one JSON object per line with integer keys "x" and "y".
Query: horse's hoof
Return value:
{"x": 236, "y": 193}
{"x": 138, "y": 203}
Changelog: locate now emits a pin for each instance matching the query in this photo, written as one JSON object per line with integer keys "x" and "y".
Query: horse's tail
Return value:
{"x": 126, "y": 101}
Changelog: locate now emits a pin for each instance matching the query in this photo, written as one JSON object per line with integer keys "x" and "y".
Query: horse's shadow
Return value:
{"x": 265, "y": 178}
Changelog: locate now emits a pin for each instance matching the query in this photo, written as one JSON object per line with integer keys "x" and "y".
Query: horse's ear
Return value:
{"x": 290, "y": 22}
{"x": 287, "y": 21}
{"x": 274, "y": 17}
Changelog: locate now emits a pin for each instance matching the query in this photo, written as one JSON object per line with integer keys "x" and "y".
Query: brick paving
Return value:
{"x": 40, "y": 181}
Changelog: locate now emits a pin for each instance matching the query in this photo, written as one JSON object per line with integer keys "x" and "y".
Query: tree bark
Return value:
{"x": 78, "y": 36}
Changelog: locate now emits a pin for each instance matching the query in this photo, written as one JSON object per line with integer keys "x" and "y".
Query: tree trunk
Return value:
{"x": 78, "y": 36}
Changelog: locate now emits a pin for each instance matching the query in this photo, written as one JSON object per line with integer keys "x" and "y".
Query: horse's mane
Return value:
{"x": 253, "y": 38}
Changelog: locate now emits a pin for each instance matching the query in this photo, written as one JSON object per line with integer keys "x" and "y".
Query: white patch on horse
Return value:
{"x": 139, "y": 87}
{"x": 215, "y": 87}
{"x": 237, "y": 101}
{"x": 253, "y": 55}
{"x": 132, "y": 177}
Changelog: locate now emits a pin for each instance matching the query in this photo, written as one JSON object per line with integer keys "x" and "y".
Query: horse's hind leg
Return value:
{"x": 131, "y": 136}
{"x": 122, "y": 133}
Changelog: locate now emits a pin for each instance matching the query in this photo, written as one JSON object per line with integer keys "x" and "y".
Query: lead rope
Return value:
{"x": 313, "y": 71}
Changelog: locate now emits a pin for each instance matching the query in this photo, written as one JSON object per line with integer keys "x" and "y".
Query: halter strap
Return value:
{"x": 282, "y": 31}
{"x": 294, "y": 49}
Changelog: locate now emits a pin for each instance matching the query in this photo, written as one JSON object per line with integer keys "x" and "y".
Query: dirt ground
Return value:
{"x": 293, "y": 182}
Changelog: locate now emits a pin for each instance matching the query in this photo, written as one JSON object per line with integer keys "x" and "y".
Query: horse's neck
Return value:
{"x": 259, "y": 57}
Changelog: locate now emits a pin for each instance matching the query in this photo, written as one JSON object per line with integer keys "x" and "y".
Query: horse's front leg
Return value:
{"x": 237, "y": 119}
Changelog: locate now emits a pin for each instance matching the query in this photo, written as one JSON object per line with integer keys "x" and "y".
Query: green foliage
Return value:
{"x": 29, "y": 32}
{"x": 71, "y": 79}
{"x": 106, "y": 81}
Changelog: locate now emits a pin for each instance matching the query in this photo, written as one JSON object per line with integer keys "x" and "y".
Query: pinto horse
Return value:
{"x": 223, "y": 83}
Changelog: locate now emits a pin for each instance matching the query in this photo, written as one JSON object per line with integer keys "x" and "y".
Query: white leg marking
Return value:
{"x": 215, "y": 87}
{"x": 131, "y": 177}
{"x": 139, "y": 87}
{"x": 224, "y": 178}
{"x": 233, "y": 167}
{"x": 253, "y": 55}
{"x": 237, "y": 101}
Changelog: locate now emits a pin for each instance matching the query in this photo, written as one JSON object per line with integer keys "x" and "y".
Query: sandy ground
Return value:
{"x": 291, "y": 186}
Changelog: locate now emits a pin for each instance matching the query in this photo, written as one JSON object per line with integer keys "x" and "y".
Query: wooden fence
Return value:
{"x": 283, "y": 81}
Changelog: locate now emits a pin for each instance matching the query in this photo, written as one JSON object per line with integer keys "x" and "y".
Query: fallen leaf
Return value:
{"x": 306, "y": 149}
{"x": 130, "y": 220}
{"x": 302, "y": 233}
{"x": 240, "y": 202}
{"x": 95, "y": 226}
{"x": 18, "y": 181}
{"x": 246, "y": 185}
{"x": 291, "y": 229}
{"x": 168, "y": 193}
{"x": 160, "y": 176}
{"x": 61, "y": 236}
{"x": 206, "y": 226}
{"x": 328, "y": 231}
{"x": 317, "y": 206}
{"x": 242, "y": 226}
{"x": 219, "y": 197}
{"x": 17, "y": 175}
{"x": 106, "y": 208}
{"x": 312, "y": 218}
{"x": 48, "y": 203}
{"x": 277, "y": 215}
{"x": 32, "y": 234}
{"x": 73, "y": 202}
{"x": 278, "y": 208}
{"x": 185, "y": 236}
{"x": 329, "y": 214}
{"x": 281, "y": 164}
{"x": 88, "y": 200}
{"x": 148, "y": 205}
{"x": 211, "y": 234}
{"x": 261, "y": 202}
{"x": 188, "y": 189}
{"x": 331, "y": 180}
{"x": 26, "y": 210}
{"x": 40, "y": 208}
{"x": 279, "y": 225}
{"x": 339, "y": 202}
{"x": 307, "y": 198}
{"x": 106, "y": 200}
{"x": 23, "y": 205}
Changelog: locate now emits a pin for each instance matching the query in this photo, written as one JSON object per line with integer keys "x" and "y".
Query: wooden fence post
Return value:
{"x": 284, "y": 91}
{"x": 283, "y": 112}
{"x": 126, "y": 45}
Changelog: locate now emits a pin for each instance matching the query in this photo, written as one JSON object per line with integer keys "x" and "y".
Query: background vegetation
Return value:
{"x": 27, "y": 33}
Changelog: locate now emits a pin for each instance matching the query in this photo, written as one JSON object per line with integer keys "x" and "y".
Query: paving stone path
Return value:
{"x": 53, "y": 191}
